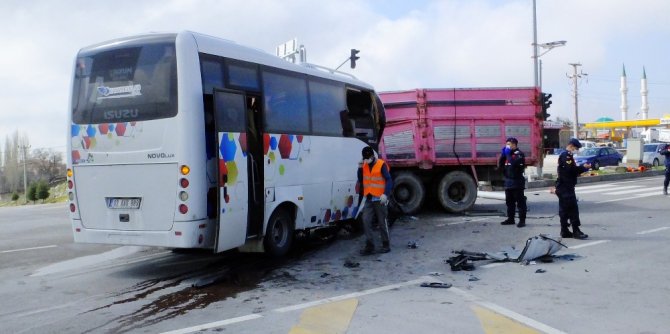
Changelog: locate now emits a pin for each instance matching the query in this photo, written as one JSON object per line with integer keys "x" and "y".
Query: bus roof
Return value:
{"x": 230, "y": 49}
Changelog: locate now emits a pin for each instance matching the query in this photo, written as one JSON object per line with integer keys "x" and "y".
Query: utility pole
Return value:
{"x": 25, "y": 148}
{"x": 575, "y": 95}
{"x": 535, "y": 58}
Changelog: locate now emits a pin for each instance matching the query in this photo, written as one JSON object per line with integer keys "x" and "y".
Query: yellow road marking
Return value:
{"x": 494, "y": 323}
{"x": 331, "y": 318}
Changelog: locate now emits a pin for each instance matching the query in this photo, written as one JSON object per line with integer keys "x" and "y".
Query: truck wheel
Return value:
{"x": 655, "y": 164}
{"x": 408, "y": 192}
{"x": 279, "y": 233}
{"x": 457, "y": 191}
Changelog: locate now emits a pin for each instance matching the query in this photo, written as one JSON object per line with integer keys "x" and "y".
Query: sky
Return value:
{"x": 403, "y": 45}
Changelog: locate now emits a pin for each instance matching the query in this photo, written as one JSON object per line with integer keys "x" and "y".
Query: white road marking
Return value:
{"x": 601, "y": 186}
{"x": 589, "y": 244}
{"x": 627, "y": 191}
{"x": 214, "y": 324}
{"x": 629, "y": 198}
{"x": 494, "y": 264}
{"x": 27, "y": 249}
{"x": 353, "y": 295}
{"x": 506, "y": 312}
{"x": 654, "y": 230}
{"x": 592, "y": 191}
{"x": 299, "y": 306}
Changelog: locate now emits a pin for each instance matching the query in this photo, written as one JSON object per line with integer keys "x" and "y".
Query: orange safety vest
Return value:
{"x": 373, "y": 180}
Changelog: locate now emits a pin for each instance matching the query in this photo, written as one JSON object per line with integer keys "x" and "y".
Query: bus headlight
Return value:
{"x": 185, "y": 170}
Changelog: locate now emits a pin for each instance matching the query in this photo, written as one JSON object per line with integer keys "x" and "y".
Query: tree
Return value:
{"x": 11, "y": 163}
{"x": 15, "y": 196}
{"x": 48, "y": 164}
{"x": 42, "y": 190}
{"x": 32, "y": 192}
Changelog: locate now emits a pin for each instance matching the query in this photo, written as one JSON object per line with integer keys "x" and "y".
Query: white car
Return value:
{"x": 651, "y": 154}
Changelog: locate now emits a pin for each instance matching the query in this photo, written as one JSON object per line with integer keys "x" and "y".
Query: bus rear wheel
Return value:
{"x": 457, "y": 191}
{"x": 408, "y": 192}
{"x": 279, "y": 233}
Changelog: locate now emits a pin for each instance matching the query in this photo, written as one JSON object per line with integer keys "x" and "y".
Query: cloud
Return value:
{"x": 404, "y": 45}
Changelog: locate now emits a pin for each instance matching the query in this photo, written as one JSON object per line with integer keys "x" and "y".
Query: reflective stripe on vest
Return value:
{"x": 373, "y": 180}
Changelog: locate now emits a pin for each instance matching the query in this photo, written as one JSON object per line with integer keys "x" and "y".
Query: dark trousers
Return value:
{"x": 374, "y": 212}
{"x": 567, "y": 207}
{"x": 667, "y": 178}
{"x": 515, "y": 197}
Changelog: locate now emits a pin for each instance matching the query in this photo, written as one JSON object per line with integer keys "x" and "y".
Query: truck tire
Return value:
{"x": 408, "y": 192}
{"x": 457, "y": 191}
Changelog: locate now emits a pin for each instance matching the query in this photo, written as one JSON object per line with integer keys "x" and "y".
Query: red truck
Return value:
{"x": 442, "y": 142}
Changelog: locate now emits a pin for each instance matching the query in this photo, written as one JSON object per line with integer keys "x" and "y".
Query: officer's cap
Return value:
{"x": 367, "y": 152}
{"x": 512, "y": 140}
{"x": 574, "y": 142}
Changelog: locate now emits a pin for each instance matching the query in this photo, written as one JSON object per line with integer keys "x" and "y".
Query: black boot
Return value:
{"x": 385, "y": 247}
{"x": 578, "y": 234}
{"x": 565, "y": 232}
{"x": 507, "y": 222}
{"x": 368, "y": 250}
{"x": 665, "y": 191}
{"x": 522, "y": 222}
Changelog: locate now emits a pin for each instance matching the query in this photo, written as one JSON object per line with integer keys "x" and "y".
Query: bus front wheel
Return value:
{"x": 279, "y": 233}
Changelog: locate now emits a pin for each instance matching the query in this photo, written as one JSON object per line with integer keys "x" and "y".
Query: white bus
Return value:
{"x": 189, "y": 141}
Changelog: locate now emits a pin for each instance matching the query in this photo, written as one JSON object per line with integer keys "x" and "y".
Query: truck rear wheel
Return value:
{"x": 408, "y": 192}
{"x": 457, "y": 191}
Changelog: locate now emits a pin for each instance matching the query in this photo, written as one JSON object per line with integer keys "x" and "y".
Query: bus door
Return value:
{"x": 235, "y": 181}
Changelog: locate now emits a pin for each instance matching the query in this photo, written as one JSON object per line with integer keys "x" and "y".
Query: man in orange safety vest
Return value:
{"x": 375, "y": 184}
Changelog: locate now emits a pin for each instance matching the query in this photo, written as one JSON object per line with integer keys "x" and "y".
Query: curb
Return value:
{"x": 591, "y": 179}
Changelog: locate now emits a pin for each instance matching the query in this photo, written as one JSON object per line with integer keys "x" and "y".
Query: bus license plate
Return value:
{"x": 123, "y": 203}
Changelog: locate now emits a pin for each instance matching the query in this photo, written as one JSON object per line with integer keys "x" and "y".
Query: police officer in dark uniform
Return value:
{"x": 568, "y": 171}
{"x": 666, "y": 181}
{"x": 513, "y": 163}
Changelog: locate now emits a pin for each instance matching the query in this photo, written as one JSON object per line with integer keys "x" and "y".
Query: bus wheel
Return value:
{"x": 457, "y": 191}
{"x": 279, "y": 233}
{"x": 408, "y": 192}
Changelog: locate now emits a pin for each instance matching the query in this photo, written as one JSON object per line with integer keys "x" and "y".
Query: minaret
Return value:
{"x": 624, "y": 95}
{"x": 644, "y": 91}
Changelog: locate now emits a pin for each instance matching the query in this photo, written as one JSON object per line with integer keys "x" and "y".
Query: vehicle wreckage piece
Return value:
{"x": 536, "y": 247}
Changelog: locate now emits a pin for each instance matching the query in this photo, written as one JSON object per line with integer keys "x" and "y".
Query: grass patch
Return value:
{"x": 57, "y": 194}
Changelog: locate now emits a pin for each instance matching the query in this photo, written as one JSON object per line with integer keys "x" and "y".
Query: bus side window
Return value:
{"x": 359, "y": 104}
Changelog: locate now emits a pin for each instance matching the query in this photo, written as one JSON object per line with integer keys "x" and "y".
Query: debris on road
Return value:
{"x": 540, "y": 271}
{"x": 351, "y": 264}
{"x": 435, "y": 285}
{"x": 412, "y": 244}
{"x": 539, "y": 247}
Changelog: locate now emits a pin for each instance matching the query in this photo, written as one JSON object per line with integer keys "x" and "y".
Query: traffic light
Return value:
{"x": 354, "y": 57}
{"x": 545, "y": 103}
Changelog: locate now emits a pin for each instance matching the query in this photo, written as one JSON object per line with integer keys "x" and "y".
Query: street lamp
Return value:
{"x": 548, "y": 47}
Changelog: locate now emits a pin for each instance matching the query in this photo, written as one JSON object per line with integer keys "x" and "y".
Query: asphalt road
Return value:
{"x": 614, "y": 282}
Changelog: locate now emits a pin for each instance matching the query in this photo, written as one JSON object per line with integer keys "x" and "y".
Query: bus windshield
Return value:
{"x": 127, "y": 83}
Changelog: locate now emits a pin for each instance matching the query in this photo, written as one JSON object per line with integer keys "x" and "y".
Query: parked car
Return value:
{"x": 651, "y": 154}
{"x": 598, "y": 157}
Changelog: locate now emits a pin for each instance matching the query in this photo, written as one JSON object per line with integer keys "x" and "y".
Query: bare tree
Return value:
{"x": 48, "y": 164}
{"x": 12, "y": 173}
